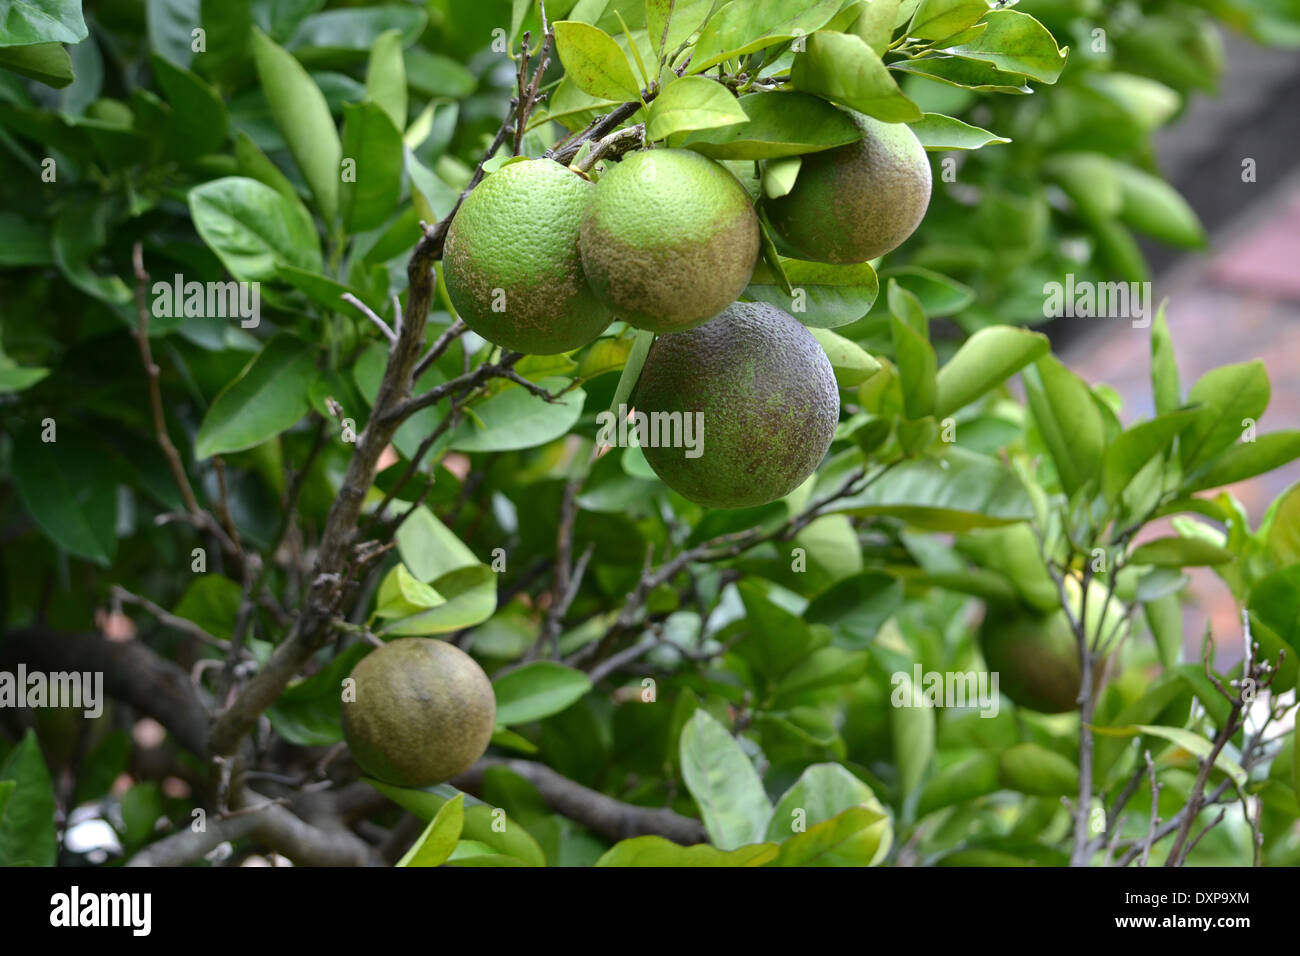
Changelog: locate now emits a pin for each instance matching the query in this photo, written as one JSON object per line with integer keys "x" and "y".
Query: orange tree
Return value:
{"x": 247, "y": 438}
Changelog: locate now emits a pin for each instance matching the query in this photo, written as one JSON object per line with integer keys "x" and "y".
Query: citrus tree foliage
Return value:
{"x": 265, "y": 495}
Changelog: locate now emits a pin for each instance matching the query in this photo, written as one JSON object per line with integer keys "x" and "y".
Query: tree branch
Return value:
{"x": 603, "y": 815}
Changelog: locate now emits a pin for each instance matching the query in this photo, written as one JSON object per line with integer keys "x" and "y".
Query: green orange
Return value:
{"x": 760, "y": 395}
{"x": 422, "y": 712}
{"x": 511, "y": 260}
{"x": 669, "y": 239}
{"x": 857, "y": 201}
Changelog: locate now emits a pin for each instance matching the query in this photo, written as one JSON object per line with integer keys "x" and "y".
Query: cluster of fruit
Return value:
{"x": 540, "y": 260}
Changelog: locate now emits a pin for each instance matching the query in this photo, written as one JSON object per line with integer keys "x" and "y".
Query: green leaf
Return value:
{"x": 692, "y": 103}
{"x": 856, "y": 607}
{"x": 967, "y": 779}
{"x": 27, "y": 22}
{"x": 303, "y": 117}
{"x": 855, "y": 837}
{"x": 938, "y": 132}
{"x": 15, "y": 379}
{"x": 199, "y": 115}
{"x": 912, "y": 731}
{"x": 724, "y": 783}
{"x": 471, "y": 594}
{"x": 1068, "y": 419}
{"x": 1246, "y": 460}
{"x": 875, "y": 22}
{"x": 1164, "y": 368}
{"x": 24, "y": 242}
{"x": 68, "y": 492}
{"x": 266, "y": 398}
{"x": 843, "y": 68}
{"x": 824, "y": 667}
{"x": 1275, "y": 601}
{"x": 1016, "y": 43}
{"x": 965, "y": 73}
{"x": 434, "y": 75}
{"x": 1152, "y": 206}
{"x": 340, "y": 36}
{"x": 483, "y": 824}
{"x": 823, "y": 792}
{"x": 594, "y": 62}
{"x": 429, "y": 548}
{"x": 1193, "y": 743}
{"x": 252, "y": 228}
{"x": 386, "y": 77}
{"x": 1031, "y": 768}
{"x": 537, "y": 690}
{"x": 515, "y": 418}
{"x": 984, "y": 361}
{"x": 851, "y": 362}
{"x": 401, "y": 595}
{"x": 322, "y": 290}
{"x": 939, "y": 19}
{"x": 779, "y": 124}
{"x": 1090, "y": 181}
{"x": 252, "y": 163}
{"x": 27, "y": 833}
{"x": 937, "y": 294}
{"x": 659, "y": 852}
{"x": 1229, "y": 396}
{"x": 307, "y": 713}
{"x": 1164, "y": 617}
{"x": 1179, "y": 552}
{"x": 439, "y": 838}
{"x": 744, "y": 26}
{"x": 1129, "y": 453}
{"x": 46, "y": 63}
{"x": 1283, "y": 538}
{"x": 78, "y": 239}
{"x": 822, "y": 295}
{"x": 373, "y": 158}
{"x": 212, "y": 602}
{"x": 955, "y": 492}
{"x": 916, "y": 367}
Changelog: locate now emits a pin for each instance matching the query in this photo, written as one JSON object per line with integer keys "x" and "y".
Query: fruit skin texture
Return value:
{"x": 517, "y": 232}
{"x": 768, "y": 398}
{"x": 424, "y": 712}
{"x": 1036, "y": 655}
{"x": 669, "y": 239}
{"x": 857, "y": 201}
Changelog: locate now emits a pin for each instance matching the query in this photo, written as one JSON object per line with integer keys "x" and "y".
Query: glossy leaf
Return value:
{"x": 938, "y": 132}
{"x": 692, "y": 103}
{"x": 656, "y": 851}
{"x": 822, "y": 295}
{"x": 253, "y": 229}
{"x": 439, "y": 838}
{"x": 594, "y": 62}
{"x": 984, "y": 361}
{"x": 842, "y": 68}
{"x": 537, "y": 690}
{"x": 303, "y": 118}
{"x": 724, "y": 784}
{"x": 266, "y": 398}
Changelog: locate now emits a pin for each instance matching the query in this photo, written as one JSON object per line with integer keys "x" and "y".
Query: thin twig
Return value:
{"x": 365, "y": 310}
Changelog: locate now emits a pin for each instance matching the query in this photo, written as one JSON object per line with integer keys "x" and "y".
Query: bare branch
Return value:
{"x": 379, "y": 323}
